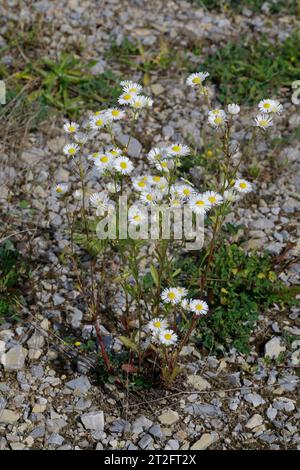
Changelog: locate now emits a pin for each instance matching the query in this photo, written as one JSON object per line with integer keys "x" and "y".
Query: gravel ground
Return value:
{"x": 49, "y": 396}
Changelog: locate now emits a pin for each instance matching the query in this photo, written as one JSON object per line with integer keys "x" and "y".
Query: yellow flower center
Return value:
{"x": 196, "y": 80}
{"x": 157, "y": 324}
{"x": 164, "y": 164}
{"x": 123, "y": 165}
{"x": 168, "y": 336}
{"x": 133, "y": 90}
{"x": 59, "y": 190}
{"x": 176, "y": 148}
{"x": 72, "y": 129}
{"x": 127, "y": 97}
{"x": 95, "y": 155}
{"x": 171, "y": 295}
{"x": 141, "y": 184}
{"x": 104, "y": 159}
{"x": 99, "y": 122}
{"x": 243, "y": 185}
{"x": 200, "y": 203}
{"x": 72, "y": 151}
{"x": 136, "y": 217}
{"x": 267, "y": 105}
{"x": 186, "y": 192}
{"x": 218, "y": 120}
{"x": 115, "y": 112}
{"x": 199, "y": 307}
{"x": 156, "y": 179}
{"x": 149, "y": 197}
{"x": 263, "y": 123}
{"x": 212, "y": 199}
{"x": 114, "y": 152}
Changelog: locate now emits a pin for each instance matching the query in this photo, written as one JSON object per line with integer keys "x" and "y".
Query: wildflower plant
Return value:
{"x": 160, "y": 314}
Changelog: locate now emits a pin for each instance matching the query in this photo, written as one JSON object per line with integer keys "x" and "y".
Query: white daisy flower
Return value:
{"x": 131, "y": 87}
{"x": 139, "y": 184}
{"x": 99, "y": 200}
{"x": 175, "y": 202}
{"x": 178, "y": 149}
{"x": 93, "y": 156}
{"x": 98, "y": 122}
{"x": 123, "y": 165}
{"x": 114, "y": 152}
{"x": 199, "y": 307}
{"x": 103, "y": 162}
{"x": 71, "y": 127}
{"x": 243, "y": 186}
{"x": 156, "y": 154}
{"x": 136, "y": 216}
{"x": 217, "y": 117}
{"x": 139, "y": 102}
{"x": 263, "y": 121}
{"x": 199, "y": 204}
{"x": 157, "y": 324}
{"x": 182, "y": 291}
{"x": 157, "y": 180}
{"x": 126, "y": 98}
{"x": 78, "y": 193}
{"x": 168, "y": 337}
{"x": 270, "y": 106}
{"x": 149, "y": 198}
{"x": 71, "y": 149}
{"x": 233, "y": 108}
{"x": 164, "y": 165}
{"x": 60, "y": 189}
{"x": 171, "y": 295}
{"x": 196, "y": 79}
{"x": 184, "y": 191}
{"x": 231, "y": 195}
{"x": 214, "y": 198}
{"x": 115, "y": 114}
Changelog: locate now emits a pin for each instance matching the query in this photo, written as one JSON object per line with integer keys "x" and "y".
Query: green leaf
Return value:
{"x": 154, "y": 274}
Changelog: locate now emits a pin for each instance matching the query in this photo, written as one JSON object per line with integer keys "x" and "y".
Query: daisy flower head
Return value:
{"x": 136, "y": 215}
{"x": 60, "y": 189}
{"x": 123, "y": 165}
{"x": 113, "y": 188}
{"x": 157, "y": 154}
{"x": 171, "y": 295}
{"x": 199, "y": 204}
{"x": 140, "y": 102}
{"x": 217, "y": 117}
{"x": 139, "y": 184}
{"x": 71, "y": 127}
{"x": 199, "y": 307}
{"x": 115, "y": 114}
{"x": 175, "y": 202}
{"x": 164, "y": 165}
{"x": 100, "y": 199}
{"x": 242, "y": 186}
{"x": 71, "y": 149}
{"x": 214, "y": 198}
{"x": 157, "y": 324}
{"x": 184, "y": 191}
{"x": 182, "y": 291}
{"x": 263, "y": 121}
{"x": 233, "y": 108}
{"x": 270, "y": 106}
{"x": 231, "y": 195}
{"x": 94, "y": 156}
{"x": 150, "y": 197}
{"x": 103, "y": 162}
{"x": 98, "y": 121}
{"x": 179, "y": 150}
{"x": 196, "y": 79}
{"x": 167, "y": 337}
{"x": 126, "y": 98}
{"x": 114, "y": 152}
{"x": 77, "y": 195}
{"x": 131, "y": 87}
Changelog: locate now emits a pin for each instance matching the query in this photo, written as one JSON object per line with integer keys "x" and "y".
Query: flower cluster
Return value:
{"x": 131, "y": 96}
